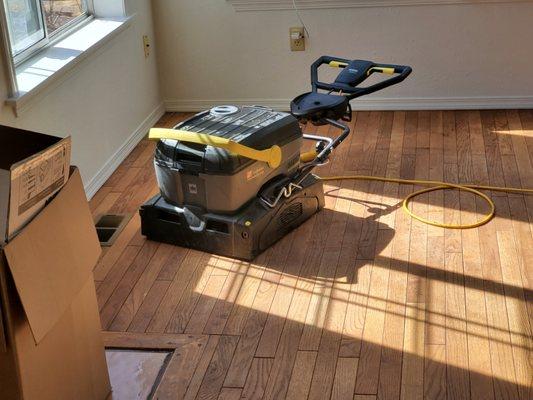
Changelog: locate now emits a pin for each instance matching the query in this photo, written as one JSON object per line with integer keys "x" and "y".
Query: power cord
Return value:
{"x": 437, "y": 185}
{"x": 300, "y": 17}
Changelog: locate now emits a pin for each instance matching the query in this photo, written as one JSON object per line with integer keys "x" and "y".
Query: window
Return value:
{"x": 32, "y": 24}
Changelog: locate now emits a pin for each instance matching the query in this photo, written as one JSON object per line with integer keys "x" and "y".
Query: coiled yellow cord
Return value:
{"x": 437, "y": 185}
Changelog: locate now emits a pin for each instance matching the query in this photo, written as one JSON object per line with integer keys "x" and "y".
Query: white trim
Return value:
{"x": 409, "y": 103}
{"x": 271, "y": 5}
{"x": 97, "y": 181}
{"x": 176, "y": 105}
{"x": 24, "y": 99}
{"x": 5, "y": 47}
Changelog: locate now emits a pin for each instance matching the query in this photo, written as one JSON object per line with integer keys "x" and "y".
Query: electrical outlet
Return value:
{"x": 146, "y": 45}
{"x": 297, "y": 38}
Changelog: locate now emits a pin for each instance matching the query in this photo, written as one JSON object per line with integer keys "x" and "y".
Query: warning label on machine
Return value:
{"x": 254, "y": 173}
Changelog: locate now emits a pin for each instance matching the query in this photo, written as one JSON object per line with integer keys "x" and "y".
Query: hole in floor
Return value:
{"x": 109, "y": 226}
{"x": 135, "y": 374}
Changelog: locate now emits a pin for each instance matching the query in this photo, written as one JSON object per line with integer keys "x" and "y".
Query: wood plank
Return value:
{"x": 354, "y": 320}
{"x": 126, "y": 284}
{"x": 358, "y": 275}
{"x": 108, "y": 285}
{"x": 142, "y": 188}
{"x": 481, "y": 385}
{"x": 179, "y": 372}
{"x": 302, "y": 373}
{"x": 230, "y": 394}
{"x": 318, "y": 306}
{"x": 393, "y": 331}
{"x": 284, "y": 291}
{"x": 497, "y": 319}
{"x": 286, "y": 352}
{"x": 435, "y": 292}
{"x": 216, "y": 372}
{"x": 222, "y": 309}
{"x": 146, "y": 156}
{"x": 519, "y": 324}
{"x": 254, "y": 389}
{"x": 149, "y": 306}
{"x": 157, "y": 341}
{"x": 457, "y": 378}
{"x": 202, "y": 366}
{"x": 241, "y": 307}
{"x": 175, "y": 292}
{"x": 492, "y": 150}
{"x": 126, "y": 179}
{"x": 98, "y": 197}
{"x": 191, "y": 294}
{"x": 104, "y": 206}
{"x": 171, "y": 267}
{"x": 435, "y": 372}
{"x": 140, "y": 289}
{"x": 250, "y": 340}
{"x": 370, "y": 358}
{"x": 436, "y": 173}
{"x": 324, "y": 373}
{"x": 520, "y": 149}
{"x": 205, "y": 304}
{"x": 412, "y": 384}
{"x": 344, "y": 384}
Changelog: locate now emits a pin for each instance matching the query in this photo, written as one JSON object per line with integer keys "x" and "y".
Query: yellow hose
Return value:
{"x": 437, "y": 185}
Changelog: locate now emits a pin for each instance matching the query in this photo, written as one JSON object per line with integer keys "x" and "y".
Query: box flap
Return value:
{"x": 18, "y": 144}
{"x": 53, "y": 256}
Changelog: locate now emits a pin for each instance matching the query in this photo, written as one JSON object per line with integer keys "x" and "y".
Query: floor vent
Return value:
{"x": 109, "y": 226}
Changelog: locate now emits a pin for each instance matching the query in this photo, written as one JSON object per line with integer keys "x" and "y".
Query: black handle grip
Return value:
{"x": 363, "y": 71}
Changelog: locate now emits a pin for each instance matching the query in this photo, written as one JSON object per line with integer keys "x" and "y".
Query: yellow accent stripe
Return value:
{"x": 337, "y": 64}
{"x": 383, "y": 70}
{"x": 272, "y": 156}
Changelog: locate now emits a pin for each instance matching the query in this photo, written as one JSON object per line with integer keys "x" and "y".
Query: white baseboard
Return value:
{"x": 200, "y": 105}
{"x": 370, "y": 104}
{"x": 114, "y": 161}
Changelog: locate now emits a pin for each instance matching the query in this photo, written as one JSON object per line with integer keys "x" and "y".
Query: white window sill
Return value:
{"x": 51, "y": 65}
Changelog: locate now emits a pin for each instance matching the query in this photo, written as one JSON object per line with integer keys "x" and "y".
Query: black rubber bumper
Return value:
{"x": 243, "y": 235}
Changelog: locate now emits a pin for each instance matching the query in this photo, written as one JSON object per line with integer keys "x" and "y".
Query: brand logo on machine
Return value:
{"x": 251, "y": 174}
{"x": 193, "y": 189}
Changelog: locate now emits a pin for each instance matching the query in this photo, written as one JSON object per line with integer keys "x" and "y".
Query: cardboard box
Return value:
{"x": 54, "y": 348}
{"x": 33, "y": 167}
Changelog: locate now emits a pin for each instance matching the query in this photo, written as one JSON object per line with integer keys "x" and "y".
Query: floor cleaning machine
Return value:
{"x": 233, "y": 180}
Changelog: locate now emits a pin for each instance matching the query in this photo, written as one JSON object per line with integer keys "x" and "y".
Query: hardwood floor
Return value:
{"x": 361, "y": 302}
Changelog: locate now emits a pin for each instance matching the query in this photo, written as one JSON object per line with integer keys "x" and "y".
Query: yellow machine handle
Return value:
{"x": 272, "y": 156}
{"x": 308, "y": 156}
{"x": 382, "y": 70}
{"x": 338, "y": 64}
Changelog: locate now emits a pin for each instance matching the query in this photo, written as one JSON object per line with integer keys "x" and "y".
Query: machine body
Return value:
{"x": 210, "y": 178}
{"x": 233, "y": 180}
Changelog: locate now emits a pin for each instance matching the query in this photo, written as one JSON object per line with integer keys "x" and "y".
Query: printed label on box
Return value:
{"x": 41, "y": 177}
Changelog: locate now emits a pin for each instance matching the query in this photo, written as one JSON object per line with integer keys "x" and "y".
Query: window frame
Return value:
{"x": 49, "y": 38}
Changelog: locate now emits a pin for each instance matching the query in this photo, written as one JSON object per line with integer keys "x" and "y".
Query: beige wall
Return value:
{"x": 101, "y": 103}
{"x": 469, "y": 55}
